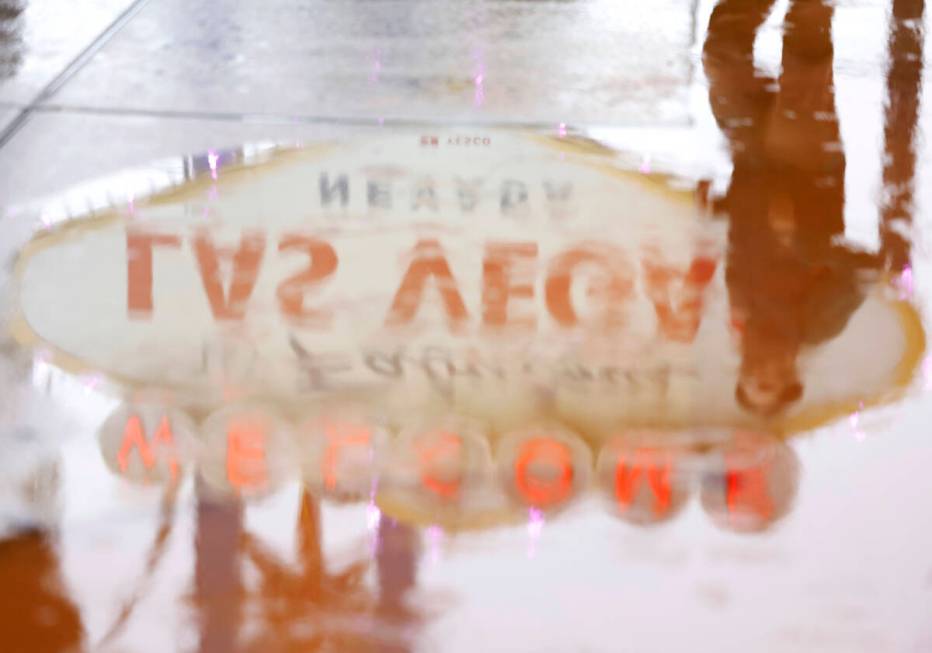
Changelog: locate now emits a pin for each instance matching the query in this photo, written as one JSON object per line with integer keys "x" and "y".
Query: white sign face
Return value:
{"x": 503, "y": 276}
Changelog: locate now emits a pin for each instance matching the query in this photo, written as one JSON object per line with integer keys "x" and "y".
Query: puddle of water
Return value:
{"x": 360, "y": 395}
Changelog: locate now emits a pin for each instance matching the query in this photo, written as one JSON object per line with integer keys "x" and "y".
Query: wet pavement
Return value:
{"x": 42, "y": 39}
{"x": 499, "y": 326}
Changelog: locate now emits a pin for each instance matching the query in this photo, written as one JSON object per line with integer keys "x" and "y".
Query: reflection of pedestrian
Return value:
{"x": 37, "y": 613}
{"x": 904, "y": 80}
{"x": 790, "y": 284}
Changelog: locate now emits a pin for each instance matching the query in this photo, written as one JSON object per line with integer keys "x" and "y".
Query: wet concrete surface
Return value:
{"x": 42, "y": 159}
{"x": 41, "y": 39}
{"x": 491, "y": 61}
{"x": 651, "y": 376}
{"x": 7, "y": 115}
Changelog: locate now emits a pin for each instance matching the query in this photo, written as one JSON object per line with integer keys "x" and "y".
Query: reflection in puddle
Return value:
{"x": 447, "y": 335}
{"x": 446, "y": 475}
{"x": 791, "y": 284}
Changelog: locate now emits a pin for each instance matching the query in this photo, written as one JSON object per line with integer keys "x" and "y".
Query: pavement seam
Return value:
{"x": 299, "y": 119}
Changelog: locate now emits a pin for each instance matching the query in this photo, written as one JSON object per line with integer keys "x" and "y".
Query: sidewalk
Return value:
{"x": 153, "y": 78}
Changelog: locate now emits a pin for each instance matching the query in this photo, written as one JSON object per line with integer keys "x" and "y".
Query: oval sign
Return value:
{"x": 515, "y": 279}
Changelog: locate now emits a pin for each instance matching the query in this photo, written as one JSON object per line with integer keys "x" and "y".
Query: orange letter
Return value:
{"x": 445, "y": 446}
{"x": 134, "y": 437}
{"x": 544, "y": 491}
{"x": 323, "y": 262}
{"x": 614, "y": 287}
{"x": 497, "y": 287}
{"x": 678, "y": 317}
{"x": 658, "y": 479}
{"x": 428, "y": 261}
{"x": 245, "y": 270}
{"x": 747, "y": 490}
{"x": 340, "y": 436}
{"x": 139, "y": 269}
{"x": 246, "y": 468}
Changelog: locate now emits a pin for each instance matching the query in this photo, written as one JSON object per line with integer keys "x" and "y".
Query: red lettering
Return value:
{"x": 437, "y": 452}
{"x": 610, "y": 290}
{"x": 498, "y": 287}
{"x": 134, "y": 438}
{"x": 428, "y": 262}
{"x": 677, "y": 296}
{"x": 540, "y": 489}
{"x": 246, "y": 260}
{"x": 339, "y": 437}
{"x": 139, "y": 248}
{"x": 643, "y": 467}
{"x": 291, "y": 292}
{"x": 746, "y": 490}
{"x": 245, "y": 460}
